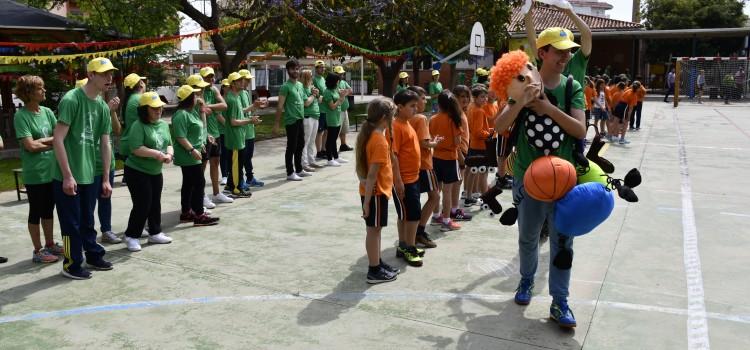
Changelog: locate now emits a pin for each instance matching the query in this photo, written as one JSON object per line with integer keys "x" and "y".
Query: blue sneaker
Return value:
{"x": 255, "y": 183}
{"x": 523, "y": 292}
{"x": 561, "y": 313}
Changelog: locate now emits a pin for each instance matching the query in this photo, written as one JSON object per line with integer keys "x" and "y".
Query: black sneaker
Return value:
{"x": 3, "y": 260}
{"x": 424, "y": 239}
{"x": 205, "y": 220}
{"x": 344, "y": 148}
{"x": 468, "y": 202}
{"x": 380, "y": 275}
{"x": 99, "y": 265}
{"x": 389, "y": 268}
{"x": 320, "y": 155}
{"x": 81, "y": 274}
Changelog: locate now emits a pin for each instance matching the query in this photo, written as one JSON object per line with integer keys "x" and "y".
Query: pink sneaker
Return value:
{"x": 44, "y": 256}
{"x": 449, "y": 225}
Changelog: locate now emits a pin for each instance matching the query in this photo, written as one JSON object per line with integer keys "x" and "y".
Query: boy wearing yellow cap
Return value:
{"x": 234, "y": 136}
{"x": 214, "y": 124}
{"x": 84, "y": 121}
{"x": 248, "y": 108}
{"x": 403, "y": 82}
{"x": 344, "y": 115}
{"x": 434, "y": 89}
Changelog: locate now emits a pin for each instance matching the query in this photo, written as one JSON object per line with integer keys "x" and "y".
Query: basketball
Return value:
{"x": 549, "y": 178}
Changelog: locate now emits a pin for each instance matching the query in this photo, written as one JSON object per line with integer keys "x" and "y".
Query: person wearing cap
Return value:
{"x": 189, "y": 132}
{"x": 196, "y": 81}
{"x": 291, "y": 105}
{"x": 248, "y": 108}
{"x": 434, "y": 89}
{"x": 224, "y": 157}
{"x": 403, "y": 82}
{"x": 81, "y": 82}
{"x": 134, "y": 86}
{"x": 319, "y": 82}
{"x": 333, "y": 98}
{"x": 215, "y": 129}
{"x": 84, "y": 121}
{"x": 568, "y": 128}
{"x": 149, "y": 147}
{"x": 344, "y": 86}
{"x": 482, "y": 76}
{"x": 234, "y": 136}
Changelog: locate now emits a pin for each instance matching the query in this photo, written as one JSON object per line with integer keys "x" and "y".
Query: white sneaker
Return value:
{"x": 144, "y": 234}
{"x": 222, "y": 198}
{"x": 208, "y": 203}
{"x": 293, "y": 177}
{"x": 333, "y": 163}
{"x": 476, "y": 195}
{"x": 224, "y": 181}
{"x": 303, "y": 174}
{"x": 110, "y": 237}
{"x": 160, "y": 238}
{"x": 134, "y": 245}
{"x": 206, "y": 211}
{"x": 342, "y": 161}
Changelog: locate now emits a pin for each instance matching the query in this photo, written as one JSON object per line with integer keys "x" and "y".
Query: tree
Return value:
{"x": 383, "y": 25}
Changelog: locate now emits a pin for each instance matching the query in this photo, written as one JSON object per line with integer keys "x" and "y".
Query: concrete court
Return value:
{"x": 285, "y": 269}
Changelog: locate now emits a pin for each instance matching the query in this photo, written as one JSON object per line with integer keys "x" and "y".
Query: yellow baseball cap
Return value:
{"x": 403, "y": 75}
{"x": 131, "y": 80}
{"x": 206, "y": 71}
{"x": 320, "y": 63}
{"x": 339, "y": 70}
{"x": 196, "y": 80}
{"x": 559, "y": 38}
{"x": 234, "y": 76}
{"x": 245, "y": 74}
{"x": 81, "y": 82}
{"x": 184, "y": 92}
{"x": 482, "y": 72}
{"x": 150, "y": 99}
{"x": 100, "y": 65}
{"x": 225, "y": 82}
{"x": 435, "y": 72}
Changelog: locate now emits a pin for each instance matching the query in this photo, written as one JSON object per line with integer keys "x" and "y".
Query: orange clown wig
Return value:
{"x": 506, "y": 68}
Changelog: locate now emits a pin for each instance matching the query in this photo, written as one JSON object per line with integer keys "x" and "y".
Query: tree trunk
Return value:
{"x": 388, "y": 73}
{"x": 415, "y": 68}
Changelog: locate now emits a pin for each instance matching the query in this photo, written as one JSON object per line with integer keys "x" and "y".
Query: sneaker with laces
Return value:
{"x": 436, "y": 221}
{"x": 560, "y": 312}
{"x": 303, "y": 174}
{"x": 463, "y": 194}
{"x": 187, "y": 217}
{"x": 222, "y": 198}
{"x": 333, "y": 163}
{"x": 468, "y": 202}
{"x": 460, "y": 215}
{"x": 378, "y": 274}
{"x": 424, "y": 239}
{"x": 308, "y": 168}
{"x": 223, "y": 181}
{"x": 43, "y": 256}
{"x": 410, "y": 255}
{"x": 133, "y": 244}
{"x": 205, "y": 220}
{"x": 110, "y": 237}
{"x": 160, "y": 238}
{"x": 81, "y": 274}
{"x": 208, "y": 203}
{"x": 523, "y": 292}
{"x": 320, "y": 155}
{"x": 293, "y": 177}
{"x": 345, "y": 148}
{"x": 256, "y": 183}
{"x": 316, "y": 165}
{"x": 55, "y": 249}
{"x": 240, "y": 193}
{"x": 389, "y": 268}
{"x": 342, "y": 161}
{"x": 99, "y": 265}
{"x": 449, "y": 225}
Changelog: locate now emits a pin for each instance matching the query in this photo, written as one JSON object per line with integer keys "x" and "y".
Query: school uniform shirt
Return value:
{"x": 434, "y": 88}
{"x": 419, "y": 123}
{"x": 313, "y": 110}
{"x": 601, "y": 101}
{"x": 333, "y": 116}
{"x": 234, "y": 136}
{"x": 406, "y": 148}
{"x": 378, "y": 152}
{"x": 345, "y": 104}
{"x": 490, "y": 112}
{"x": 213, "y": 126}
{"x": 616, "y": 95}
{"x": 589, "y": 94}
{"x": 131, "y": 110}
{"x": 249, "y": 128}
{"x": 37, "y": 166}
{"x": 187, "y": 125}
{"x": 630, "y": 97}
{"x": 294, "y": 106}
{"x": 465, "y": 136}
{"x": 319, "y": 82}
{"x": 641, "y": 93}
{"x": 479, "y": 127}
{"x": 99, "y": 167}
{"x": 442, "y": 125}
{"x": 87, "y": 119}
{"x": 150, "y": 135}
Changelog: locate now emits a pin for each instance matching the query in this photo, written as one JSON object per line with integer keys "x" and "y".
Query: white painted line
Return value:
{"x": 735, "y": 214}
{"x": 698, "y": 147}
{"x": 697, "y": 324}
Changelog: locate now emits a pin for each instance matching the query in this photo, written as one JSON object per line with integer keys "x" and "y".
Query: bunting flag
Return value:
{"x": 72, "y": 57}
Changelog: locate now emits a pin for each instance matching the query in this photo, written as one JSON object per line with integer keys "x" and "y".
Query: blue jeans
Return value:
{"x": 531, "y": 216}
{"x": 76, "y": 216}
{"x": 105, "y": 204}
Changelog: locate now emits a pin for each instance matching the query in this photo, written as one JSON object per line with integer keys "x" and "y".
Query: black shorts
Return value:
{"x": 378, "y": 211}
{"x": 428, "y": 181}
{"x": 322, "y": 122}
{"x": 212, "y": 151}
{"x": 410, "y": 208}
{"x": 446, "y": 170}
{"x": 620, "y": 110}
{"x": 41, "y": 202}
{"x": 504, "y": 147}
{"x": 475, "y": 152}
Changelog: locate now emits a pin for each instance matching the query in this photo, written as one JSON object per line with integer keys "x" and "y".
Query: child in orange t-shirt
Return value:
{"x": 617, "y": 111}
{"x": 589, "y": 94}
{"x": 446, "y": 155}
{"x": 629, "y": 98}
{"x": 635, "y": 120}
{"x": 427, "y": 179}
{"x": 406, "y": 149}
{"x": 479, "y": 131}
{"x": 375, "y": 172}
{"x": 463, "y": 96}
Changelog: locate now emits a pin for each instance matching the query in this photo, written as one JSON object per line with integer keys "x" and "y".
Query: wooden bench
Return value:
{"x": 357, "y": 117}
{"x": 19, "y": 190}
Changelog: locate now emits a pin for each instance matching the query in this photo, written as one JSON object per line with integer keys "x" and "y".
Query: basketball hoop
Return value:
{"x": 476, "y": 41}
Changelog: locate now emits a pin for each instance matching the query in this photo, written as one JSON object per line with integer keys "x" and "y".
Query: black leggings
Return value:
{"x": 192, "y": 191}
{"x": 295, "y": 143}
{"x": 332, "y": 151}
{"x": 41, "y": 202}
{"x": 145, "y": 193}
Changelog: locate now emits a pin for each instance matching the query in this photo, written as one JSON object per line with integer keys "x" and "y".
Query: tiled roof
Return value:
{"x": 546, "y": 16}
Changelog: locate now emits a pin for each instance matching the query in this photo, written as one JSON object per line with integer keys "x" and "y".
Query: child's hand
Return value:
{"x": 365, "y": 210}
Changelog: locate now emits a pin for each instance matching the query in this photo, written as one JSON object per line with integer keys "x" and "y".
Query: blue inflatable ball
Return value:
{"x": 583, "y": 209}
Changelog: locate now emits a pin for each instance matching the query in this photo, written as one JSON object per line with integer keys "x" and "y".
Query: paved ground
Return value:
{"x": 285, "y": 269}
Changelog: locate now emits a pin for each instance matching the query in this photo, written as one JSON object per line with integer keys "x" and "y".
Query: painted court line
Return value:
{"x": 697, "y": 324}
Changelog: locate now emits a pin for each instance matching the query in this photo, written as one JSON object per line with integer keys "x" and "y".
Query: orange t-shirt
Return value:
{"x": 464, "y": 146}
{"x": 406, "y": 148}
{"x": 641, "y": 93}
{"x": 479, "y": 127}
{"x": 608, "y": 90}
{"x": 490, "y": 111}
{"x": 378, "y": 153}
{"x": 616, "y": 96}
{"x": 419, "y": 123}
{"x": 589, "y": 93}
{"x": 630, "y": 97}
{"x": 442, "y": 125}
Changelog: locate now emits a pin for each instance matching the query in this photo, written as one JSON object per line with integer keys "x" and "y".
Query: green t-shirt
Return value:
{"x": 187, "y": 125}
{"x": 37, "y": 166}
{"x": 333, "y": 117}
{"x": 433, "y": 89}
{"x": 131, "y": 111}
{"x": 526, "y": 152}
{"x": 294, "y": 107}
{"x": 99, "y": 164}
{"x": 400, "y": 88}
{"x": 152, "y": 135}
{"x": 212, "y": 124}
{"x": 249, "y": 128}
{"x": 88, "y": 120}
{"x": 320, "y": 83}
{"x": 234, "y": 136}
{"x": 344, "y": 85}
{"x": 313, "y": 110}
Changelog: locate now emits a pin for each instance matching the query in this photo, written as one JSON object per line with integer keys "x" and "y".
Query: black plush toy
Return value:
{"x": 490, "y": 202}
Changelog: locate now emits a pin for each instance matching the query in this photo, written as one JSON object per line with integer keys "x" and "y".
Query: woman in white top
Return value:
{"x": 600, "y": 107}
